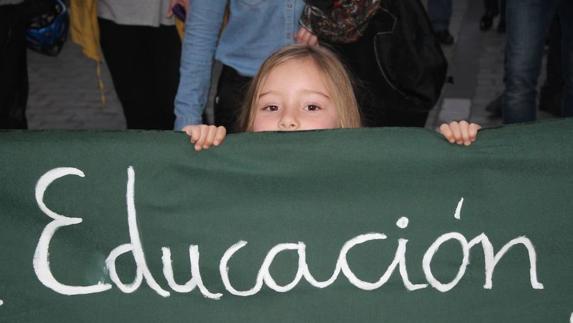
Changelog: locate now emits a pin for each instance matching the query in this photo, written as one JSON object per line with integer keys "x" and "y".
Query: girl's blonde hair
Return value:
{"x": 335, "y": 75}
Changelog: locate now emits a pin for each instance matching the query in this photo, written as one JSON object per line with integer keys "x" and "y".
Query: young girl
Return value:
{"x": 304, "y": 88}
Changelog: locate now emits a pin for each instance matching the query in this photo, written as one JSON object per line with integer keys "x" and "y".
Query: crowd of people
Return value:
{"x": 360, "y": 52}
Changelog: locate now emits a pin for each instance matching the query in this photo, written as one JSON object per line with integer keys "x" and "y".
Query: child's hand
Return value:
{"x": 204, "y": 136}
{"x": 305, "y": 36}
{"x": 460, "y": 132}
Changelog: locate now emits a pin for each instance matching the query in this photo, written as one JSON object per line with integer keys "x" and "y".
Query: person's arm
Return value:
{"x": 204, "y": 21}
{"x": 204, "y": 137}
{"x": 461, "y": 133}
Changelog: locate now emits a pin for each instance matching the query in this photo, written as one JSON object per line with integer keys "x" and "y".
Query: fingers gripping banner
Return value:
{"x": 381, "y": 225}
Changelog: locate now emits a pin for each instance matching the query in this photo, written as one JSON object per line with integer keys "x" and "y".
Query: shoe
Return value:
{"x": 486, "y": 21}
{"x": 444, "y": 37}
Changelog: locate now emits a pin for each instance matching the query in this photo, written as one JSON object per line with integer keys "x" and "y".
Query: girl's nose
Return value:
{"x": 288, "y": 123}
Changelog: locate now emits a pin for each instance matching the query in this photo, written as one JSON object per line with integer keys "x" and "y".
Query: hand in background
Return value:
{"x": 461, "y": 133}
{"x": 172, "y": 3}
{"x": 204, "y": 136}
{"x": 304, "y": 36}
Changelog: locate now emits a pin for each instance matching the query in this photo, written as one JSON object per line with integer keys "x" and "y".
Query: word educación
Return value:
{"x": 42, "y": 265}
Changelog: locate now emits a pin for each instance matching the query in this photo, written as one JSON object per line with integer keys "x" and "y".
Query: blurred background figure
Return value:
{"x": 64, "y": 95}
{"x": 39, "y": 25}
{"x": 254, "y": 30}
{"x": 398, "y": 78}
{"x": 527, "y": 24}
{"x": 13, "y": 65}
{"x": 493, "y": 8}
{"x": 551, "y": 94}
{"x": 142, "y": 50}
{"x": 440, "y": 12}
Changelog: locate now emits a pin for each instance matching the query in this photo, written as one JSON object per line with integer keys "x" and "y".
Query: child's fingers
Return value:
{"x": 210, "y": 139}
{"x": 188, "y": 132}
{"x": 196, "y": 134}
{"x": 313, "y": 40}
{"x": 204, "y": 136}
{"x": 220, "y": 134}
{"x": 298, "y": 35}
{"x": 203, "y": 129}
{"x": 460, "y": 132}
{"x": 215, "y": 137}
{"x": 464, "y": 130}
{"x": 474, "y": 128}
{"x": 193, "y": 132}
{"x": 304, "y": 36}
{"x": 455, "y": 127}
{"x": 447, "y": 132}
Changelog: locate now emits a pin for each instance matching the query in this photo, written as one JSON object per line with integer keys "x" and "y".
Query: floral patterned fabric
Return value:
{"x": 343, "y": 22}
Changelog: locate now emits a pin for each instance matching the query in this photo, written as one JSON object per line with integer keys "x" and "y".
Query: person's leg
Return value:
{"x": 550, "y": 95}
{"x": 566, "y": 19}
{"x": 166, "y": 46}
{"x": 527, "y": 22}
{"x": 120, "y": 49}
{"x": 230, "y": 95}
{"x": 490, "y": 6}
{"x": 490, "y": 11}
{"x": 440, "y": 13}
{"x": 13, "y": 69}
{"x": 128, "y": 59}
{"x": 501, "y": 24}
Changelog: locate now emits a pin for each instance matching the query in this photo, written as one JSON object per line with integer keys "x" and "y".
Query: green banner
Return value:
{"x": 353, "y": 225}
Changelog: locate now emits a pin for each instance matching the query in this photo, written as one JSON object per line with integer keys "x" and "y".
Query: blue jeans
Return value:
{"x": 440, "y": 13}
{"x": 527, "y": 22}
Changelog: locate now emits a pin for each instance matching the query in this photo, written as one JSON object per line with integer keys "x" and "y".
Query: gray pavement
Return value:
{"x": 64, "y": 93}
{"x": 476, "y": 68}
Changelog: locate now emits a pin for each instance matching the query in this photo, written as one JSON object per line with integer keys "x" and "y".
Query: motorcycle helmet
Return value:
{"x": 47, "y": 32}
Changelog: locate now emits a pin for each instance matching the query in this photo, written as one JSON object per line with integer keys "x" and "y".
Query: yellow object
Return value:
{"x": 84, "y": 30}
{"x": 84, "y": 27}
{"x": 180, "y": 27}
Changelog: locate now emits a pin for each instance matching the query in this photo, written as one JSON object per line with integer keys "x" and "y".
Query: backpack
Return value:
{"x": 409, "y": 56}
{"x": 338, "y": 21}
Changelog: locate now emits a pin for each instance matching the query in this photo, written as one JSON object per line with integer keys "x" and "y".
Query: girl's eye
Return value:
{"x": 271, "y": 108}
{"x": 313, "y": 107}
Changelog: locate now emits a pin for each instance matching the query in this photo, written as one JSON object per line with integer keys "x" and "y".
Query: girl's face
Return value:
{"x": 293, "y": 97}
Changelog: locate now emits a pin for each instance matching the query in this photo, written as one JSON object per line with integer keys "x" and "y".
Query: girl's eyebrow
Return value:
{"x": 307, "y": 91}
{"x": 266, "y": 93}
{"x": 316, "y": 92}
